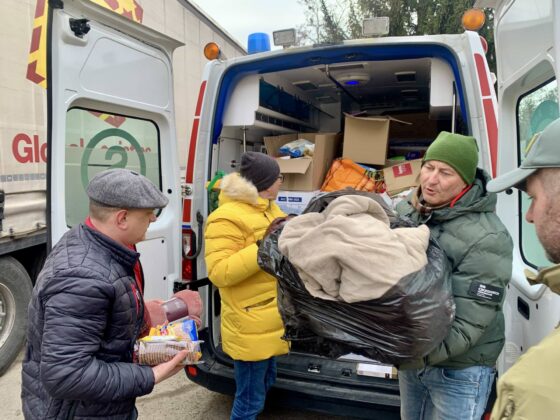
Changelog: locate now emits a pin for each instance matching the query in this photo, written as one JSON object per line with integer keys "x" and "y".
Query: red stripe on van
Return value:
{"x": 489, "y": 111}
{"x": 492, "y": 131}
{"x": 194, "y": 135}
{"x": 482, "y": 75}
{"x": 189, "y": 175}
{"x": 200, "y": 97}
{"x": 192, "y": 149}
{"x": 187, "y": 203}
{"x": 187, "y": 211}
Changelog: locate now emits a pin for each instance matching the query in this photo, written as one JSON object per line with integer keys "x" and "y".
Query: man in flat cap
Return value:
{"x": 251, "y": 326}
{"x": 87, "y": 310}
{"x": 529, "y": 389}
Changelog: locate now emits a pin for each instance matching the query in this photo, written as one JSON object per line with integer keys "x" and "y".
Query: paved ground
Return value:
{"x": 174, "y": 399}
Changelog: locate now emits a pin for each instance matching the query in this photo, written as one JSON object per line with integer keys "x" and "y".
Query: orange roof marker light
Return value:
{"x": 473, "y": 19}
{"x": 212, "y": 51}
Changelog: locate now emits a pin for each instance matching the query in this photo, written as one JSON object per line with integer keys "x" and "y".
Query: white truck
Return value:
{"x": 439, "y": 82}
{"x": 23, "y": 146}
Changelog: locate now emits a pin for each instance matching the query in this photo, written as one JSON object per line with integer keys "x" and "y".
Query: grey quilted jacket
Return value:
{"x": 84, "y": 317}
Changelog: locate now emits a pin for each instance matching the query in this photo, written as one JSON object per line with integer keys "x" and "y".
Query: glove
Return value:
{"x": 278, "y": 223}
{"x": 275, "y": 225}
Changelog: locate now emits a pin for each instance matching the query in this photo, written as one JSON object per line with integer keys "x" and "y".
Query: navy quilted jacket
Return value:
{"x": 84, "y": 317}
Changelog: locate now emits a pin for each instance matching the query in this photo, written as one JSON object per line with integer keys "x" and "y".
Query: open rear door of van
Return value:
{"x": 527, "y": 36}
{"x": 110, "y": 105}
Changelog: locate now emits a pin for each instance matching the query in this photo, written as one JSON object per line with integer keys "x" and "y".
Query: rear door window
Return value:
{"x": 96, "y": 141}
{"x": 535, "y": 111}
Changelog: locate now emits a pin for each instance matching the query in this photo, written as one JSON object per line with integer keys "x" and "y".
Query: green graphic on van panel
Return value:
{"x": 112, "y": 152}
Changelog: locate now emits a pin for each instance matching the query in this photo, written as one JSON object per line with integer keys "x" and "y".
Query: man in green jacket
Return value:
{"x": 454, "y": 380}
{"x": 529, "y": 389}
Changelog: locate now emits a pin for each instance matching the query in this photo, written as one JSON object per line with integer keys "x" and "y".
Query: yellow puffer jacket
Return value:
{"x": 251, "y": 324}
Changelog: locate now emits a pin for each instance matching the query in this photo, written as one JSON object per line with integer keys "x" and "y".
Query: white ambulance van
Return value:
{"x": 441, "y": 82}
{"x": 435, "y": 83}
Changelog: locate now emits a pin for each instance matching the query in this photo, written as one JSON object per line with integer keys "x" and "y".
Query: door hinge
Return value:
{"x": 186, "y": 190}
{"x": 80, "y": 27}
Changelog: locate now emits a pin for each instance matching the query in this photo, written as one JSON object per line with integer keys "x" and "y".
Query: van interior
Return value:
{"x": 254, "y": 104}
{"x": 420, "y": 91}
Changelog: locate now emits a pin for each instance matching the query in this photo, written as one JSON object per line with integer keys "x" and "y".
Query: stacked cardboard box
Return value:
{"x": 402, "y": 176}
{"x": 305, "y": 173}
{"x": 294, "y": 202}
{"x": 366, "y": 139}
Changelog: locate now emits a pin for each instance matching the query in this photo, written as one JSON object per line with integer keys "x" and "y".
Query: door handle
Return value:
{"x": 523, "y": 308}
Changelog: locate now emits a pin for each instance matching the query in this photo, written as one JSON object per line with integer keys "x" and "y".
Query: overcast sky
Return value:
{"x": 243, "y": 17}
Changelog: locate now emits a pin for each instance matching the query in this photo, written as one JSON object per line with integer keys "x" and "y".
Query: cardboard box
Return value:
{"x": 306, "y": 173}
{"x": 422, "y": 127}
{"x": 366, "y": 138}
{"x": 377, "y": 370}
{"x": 402, "y": 176}
{"x": 294, "y": 202}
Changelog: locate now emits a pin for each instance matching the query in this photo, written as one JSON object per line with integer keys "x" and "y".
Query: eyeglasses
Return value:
{"x": 281, "y": 177}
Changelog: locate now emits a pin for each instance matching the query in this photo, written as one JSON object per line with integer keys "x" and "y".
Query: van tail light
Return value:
{"x": 188, "y": 264}
{"x": 192, "y": 370}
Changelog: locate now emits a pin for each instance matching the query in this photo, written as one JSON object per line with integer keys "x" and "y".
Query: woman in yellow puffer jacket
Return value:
{"x": 251, "y": 326}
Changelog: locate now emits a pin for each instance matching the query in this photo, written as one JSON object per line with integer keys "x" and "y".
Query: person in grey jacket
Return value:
{"x": 87, "y": 310}
{"x": 454, "y": 380}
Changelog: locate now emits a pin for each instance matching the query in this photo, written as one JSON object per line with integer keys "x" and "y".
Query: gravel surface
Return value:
{"x": 174, "y": 399}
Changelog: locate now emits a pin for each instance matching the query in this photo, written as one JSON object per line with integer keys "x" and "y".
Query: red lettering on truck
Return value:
{"x": 28, "y": 150}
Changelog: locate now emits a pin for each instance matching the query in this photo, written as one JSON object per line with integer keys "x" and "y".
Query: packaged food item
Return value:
{"x": 298, "y": 148}
{"x": 185, "y": 329}
{"x": 181, "y": 304}
{"x": 153, "y": 350}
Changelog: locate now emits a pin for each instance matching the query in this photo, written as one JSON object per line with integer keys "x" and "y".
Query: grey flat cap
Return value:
{"x": 126, "y": 189}
{"x": 543, "y": 151}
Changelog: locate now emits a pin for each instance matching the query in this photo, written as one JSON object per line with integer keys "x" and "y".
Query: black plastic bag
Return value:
{"x": 405, "y": 324}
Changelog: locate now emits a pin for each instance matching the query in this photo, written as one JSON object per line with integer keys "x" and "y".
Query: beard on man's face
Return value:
{"x": 548, "y": 232}
{"x": 553, "y": 256}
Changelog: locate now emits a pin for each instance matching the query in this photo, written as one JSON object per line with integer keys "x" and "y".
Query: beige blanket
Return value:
{"x": 348, "y": 252}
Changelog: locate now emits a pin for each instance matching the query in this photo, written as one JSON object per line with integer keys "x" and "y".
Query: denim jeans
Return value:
{"x": 252, "y": 381}
{"x": 443, "y": 393}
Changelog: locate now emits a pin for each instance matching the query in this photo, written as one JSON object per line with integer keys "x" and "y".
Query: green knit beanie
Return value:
{"x": 459, "y": 152}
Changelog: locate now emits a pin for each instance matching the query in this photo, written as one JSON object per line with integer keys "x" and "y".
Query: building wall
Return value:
{"x": 23, "y": 102}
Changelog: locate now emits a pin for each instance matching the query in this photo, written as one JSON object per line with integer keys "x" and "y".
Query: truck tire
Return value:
{"x": 15, "y": 293}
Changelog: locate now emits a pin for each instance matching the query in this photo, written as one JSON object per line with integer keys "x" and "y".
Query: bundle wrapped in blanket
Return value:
{"x": 341, "y": 290}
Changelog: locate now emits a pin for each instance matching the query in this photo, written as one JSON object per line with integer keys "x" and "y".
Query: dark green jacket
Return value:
{"x": 480, "y": 251}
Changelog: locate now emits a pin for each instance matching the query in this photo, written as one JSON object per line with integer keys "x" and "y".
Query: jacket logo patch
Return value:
{"x": 486, "y": 292}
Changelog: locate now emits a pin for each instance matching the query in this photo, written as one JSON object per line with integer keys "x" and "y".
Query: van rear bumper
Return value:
{"x": 302, "y": 393}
